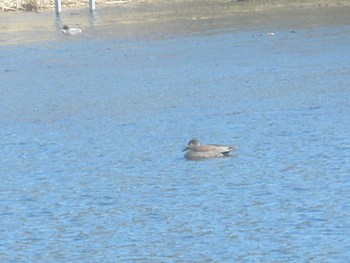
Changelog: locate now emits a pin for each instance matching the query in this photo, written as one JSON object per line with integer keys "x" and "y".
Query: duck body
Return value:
{"x": 71, "y": 30}
{"x": 196, "y": 150}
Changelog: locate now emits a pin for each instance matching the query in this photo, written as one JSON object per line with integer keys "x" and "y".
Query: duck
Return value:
{"x": 71, "y": 30}
{"x": 196, "y": 150}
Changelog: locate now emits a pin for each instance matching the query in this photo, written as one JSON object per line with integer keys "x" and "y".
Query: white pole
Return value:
{"x": 92, "y": 5}
{"x": 58, "y": 6}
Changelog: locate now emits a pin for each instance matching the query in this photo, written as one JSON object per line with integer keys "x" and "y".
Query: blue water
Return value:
{"x": 92, "y": 130}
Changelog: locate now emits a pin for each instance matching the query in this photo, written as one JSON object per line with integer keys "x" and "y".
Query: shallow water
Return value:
{"x": 92, "y": 132}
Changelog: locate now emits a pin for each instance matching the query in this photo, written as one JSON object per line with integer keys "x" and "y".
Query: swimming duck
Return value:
{"x": 196, "y": 150}
{"x": 71, "y": 30}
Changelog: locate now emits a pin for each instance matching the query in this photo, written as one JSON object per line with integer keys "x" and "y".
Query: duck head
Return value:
{"x": 192, "y": 143}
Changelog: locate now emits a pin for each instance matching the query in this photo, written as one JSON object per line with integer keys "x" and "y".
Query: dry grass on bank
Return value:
{"x": 36, "y": 5}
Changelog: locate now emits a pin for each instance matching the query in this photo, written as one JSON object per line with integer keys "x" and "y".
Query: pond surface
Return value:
{"x": 91, "y": 136}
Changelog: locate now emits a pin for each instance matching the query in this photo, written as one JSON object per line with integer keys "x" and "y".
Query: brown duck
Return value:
{"x": 196, "y": 150}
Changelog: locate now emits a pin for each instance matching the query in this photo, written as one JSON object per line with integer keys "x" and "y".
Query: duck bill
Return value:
{"x": 185, "y": 149}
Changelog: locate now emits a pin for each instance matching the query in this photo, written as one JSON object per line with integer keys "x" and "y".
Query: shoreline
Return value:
{"x": 238, "y": 5}
{"x": 162, "y": 19}
{"x": 39, "y": 5}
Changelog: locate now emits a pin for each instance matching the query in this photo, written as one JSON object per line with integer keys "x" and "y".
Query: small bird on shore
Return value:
{"x": 196, "y": 150}
{"x": 71, "y": 30}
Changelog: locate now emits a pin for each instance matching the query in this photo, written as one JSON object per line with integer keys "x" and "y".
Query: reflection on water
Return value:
{"x": 92, "y": 132}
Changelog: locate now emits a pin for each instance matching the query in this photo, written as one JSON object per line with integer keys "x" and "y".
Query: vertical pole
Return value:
{"x": 58, "y": 7}
{"x": 92, "y": 5}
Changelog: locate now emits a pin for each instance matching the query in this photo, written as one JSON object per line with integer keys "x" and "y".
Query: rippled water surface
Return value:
{"x": 92, "y": 132}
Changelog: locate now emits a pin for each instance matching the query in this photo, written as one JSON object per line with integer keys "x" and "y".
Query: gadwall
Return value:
{"x": 196, "y": 150}
{"x": 71, "y": 30}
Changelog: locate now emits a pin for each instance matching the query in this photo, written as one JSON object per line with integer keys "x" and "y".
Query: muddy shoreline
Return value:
{"x": 162, "y": 19}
